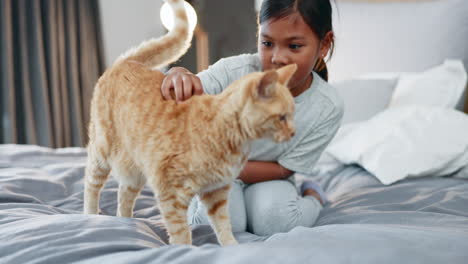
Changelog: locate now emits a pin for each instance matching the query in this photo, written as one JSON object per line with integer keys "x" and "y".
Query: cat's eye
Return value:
{"x": 282, "y": 118}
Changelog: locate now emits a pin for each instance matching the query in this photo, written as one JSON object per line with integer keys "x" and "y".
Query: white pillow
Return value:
{"x": 439, "y": 86}
{"x": 364, "y": 98}
{"x": 407, "y": 142}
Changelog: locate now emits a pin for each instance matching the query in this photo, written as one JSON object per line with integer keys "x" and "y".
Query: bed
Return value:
{"x": 396, "y": 176}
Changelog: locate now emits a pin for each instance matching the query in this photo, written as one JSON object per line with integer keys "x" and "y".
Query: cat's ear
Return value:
{"x": 267, "y": 84}
{"x": 285, "y": 73}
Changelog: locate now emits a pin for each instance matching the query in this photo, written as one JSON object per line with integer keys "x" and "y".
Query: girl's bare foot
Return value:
{"x": 311, "y": 188}
{"x": 312, "y": 192}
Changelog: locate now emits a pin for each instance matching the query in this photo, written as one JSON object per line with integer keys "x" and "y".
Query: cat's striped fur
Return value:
{"x": 196, "y": 147}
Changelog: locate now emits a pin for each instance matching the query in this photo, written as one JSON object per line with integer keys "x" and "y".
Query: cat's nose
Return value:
{"x": 293, "y": 133}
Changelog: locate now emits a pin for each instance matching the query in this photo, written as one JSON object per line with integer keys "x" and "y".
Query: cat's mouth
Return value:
{"x": 282, "y": 137}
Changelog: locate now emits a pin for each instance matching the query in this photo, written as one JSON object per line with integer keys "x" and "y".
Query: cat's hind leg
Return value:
{"x": 216, "y": 203}
{"x": 131, "y": 182}
{"x": 173, "y": 205}
{"x": 96, "y": 174}
{"x": 127, "y": 197}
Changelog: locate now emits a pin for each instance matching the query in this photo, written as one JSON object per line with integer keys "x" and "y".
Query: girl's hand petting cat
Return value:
{"x": 183, "y": 83}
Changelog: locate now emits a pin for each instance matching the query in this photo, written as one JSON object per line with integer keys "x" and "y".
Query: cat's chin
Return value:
{"x": 281, "y": 138}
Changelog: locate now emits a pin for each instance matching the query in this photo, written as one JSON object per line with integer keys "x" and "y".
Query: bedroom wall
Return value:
{"x": 126, "y": 23}
{"x": 397, "y": 36}
{"x": 231, "y": 27}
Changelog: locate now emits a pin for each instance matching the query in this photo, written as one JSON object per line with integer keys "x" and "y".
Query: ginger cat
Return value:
{"x": 196, "y": 147}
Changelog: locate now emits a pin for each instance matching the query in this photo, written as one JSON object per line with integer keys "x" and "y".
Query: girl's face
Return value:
{"x": 290, "y": 40}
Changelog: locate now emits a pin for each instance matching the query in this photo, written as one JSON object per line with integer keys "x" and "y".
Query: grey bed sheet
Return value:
{"x": 421, "y": 220}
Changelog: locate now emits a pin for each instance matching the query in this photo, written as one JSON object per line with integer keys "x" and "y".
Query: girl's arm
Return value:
{"x": 259, "y": 171}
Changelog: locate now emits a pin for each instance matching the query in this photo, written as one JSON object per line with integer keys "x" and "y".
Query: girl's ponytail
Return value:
{"x": 321, "y": 69}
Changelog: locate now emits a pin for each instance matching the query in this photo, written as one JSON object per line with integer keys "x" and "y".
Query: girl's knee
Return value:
{"x": 275, "y": 207}
{"x": 271, "y": 207}
{"x": 271, "y": 220}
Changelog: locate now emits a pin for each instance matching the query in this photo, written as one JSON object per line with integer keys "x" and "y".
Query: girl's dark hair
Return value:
{"x": 316, "y": 13}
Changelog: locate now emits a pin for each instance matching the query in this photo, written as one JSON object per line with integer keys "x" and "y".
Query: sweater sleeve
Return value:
{"x": 306, "y": 153}
{"x": 225, "y": 71}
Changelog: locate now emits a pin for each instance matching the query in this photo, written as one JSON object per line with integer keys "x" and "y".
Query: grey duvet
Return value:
{"x": 423, "y": 220}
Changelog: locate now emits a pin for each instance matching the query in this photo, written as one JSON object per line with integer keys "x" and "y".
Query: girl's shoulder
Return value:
{"x": 323, "y": 98}
{"x": 226, "y": 70}
{"x": 329, "y": 94}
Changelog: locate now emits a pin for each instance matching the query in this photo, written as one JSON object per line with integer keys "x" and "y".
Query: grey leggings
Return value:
{"x": 263, "y": 208}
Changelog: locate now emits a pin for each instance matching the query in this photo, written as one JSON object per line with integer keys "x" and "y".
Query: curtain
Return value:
{"x": 51, "y": 56}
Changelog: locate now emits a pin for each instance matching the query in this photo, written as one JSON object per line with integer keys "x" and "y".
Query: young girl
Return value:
{"x": 265, "y": 200}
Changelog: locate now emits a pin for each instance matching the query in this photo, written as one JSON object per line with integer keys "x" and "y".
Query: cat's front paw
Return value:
{"x": 180, "y": 241}
{"x": 230, "y": 243}
{"x": 87, "y": 212}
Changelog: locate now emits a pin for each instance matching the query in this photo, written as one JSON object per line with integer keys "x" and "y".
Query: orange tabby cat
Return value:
{"x": 196, "y": 147}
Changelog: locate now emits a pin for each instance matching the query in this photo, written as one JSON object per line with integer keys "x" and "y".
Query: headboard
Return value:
{"x": 377, "y": 36}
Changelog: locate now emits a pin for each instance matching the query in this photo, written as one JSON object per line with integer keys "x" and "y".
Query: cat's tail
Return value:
{"x": 167, "y": 49}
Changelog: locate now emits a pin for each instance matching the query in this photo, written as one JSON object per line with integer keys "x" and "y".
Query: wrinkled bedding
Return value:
{"x": 421, "y": 220}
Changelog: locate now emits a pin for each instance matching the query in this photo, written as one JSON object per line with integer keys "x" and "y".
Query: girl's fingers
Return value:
{"x": 197, "y": 86}
{"x": 187, "y": 89}
{"x": 165, "y": 87}
{"x": 178, "y": 89}
{"x": 184, "y": 84}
